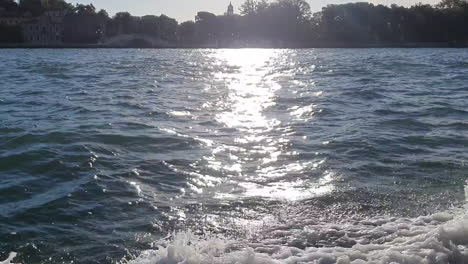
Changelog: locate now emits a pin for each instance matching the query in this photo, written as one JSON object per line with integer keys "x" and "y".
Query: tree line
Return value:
{"x": 280, "y": 22}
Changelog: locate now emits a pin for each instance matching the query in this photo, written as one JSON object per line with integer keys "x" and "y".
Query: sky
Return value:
{"x": 184, "y": 10}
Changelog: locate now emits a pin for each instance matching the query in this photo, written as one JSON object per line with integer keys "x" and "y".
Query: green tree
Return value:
{"x": 167, "y": 28}
{"x": 252, "y": 7}
{"x": 85, "y": 9}
{"x": 452, "y": 4}
{"x": 84, "y": 25}
{"x": 186, "y": 33}
{"x": 103, "y": 14}
{"x": 149, "y": 25}
{"x": 207, "y": 25}
{"x": 34, "y": 6}
{"x": 57, "y": 5}
{"x": 249, "y": 7}
{"x": 126, "y": 23}
{"x": 37, "y": 7}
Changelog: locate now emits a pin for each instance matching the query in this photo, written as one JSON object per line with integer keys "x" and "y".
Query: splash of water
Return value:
{"x": 9, "y": 259}
{"x": 441, "y": 238}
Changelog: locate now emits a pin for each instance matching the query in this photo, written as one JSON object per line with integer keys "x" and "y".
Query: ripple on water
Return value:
{"x": 255, "y": 156}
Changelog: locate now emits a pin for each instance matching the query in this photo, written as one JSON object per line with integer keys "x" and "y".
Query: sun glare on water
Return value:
{"x": 259, "y": 159}
{"x": 249, "y": 91}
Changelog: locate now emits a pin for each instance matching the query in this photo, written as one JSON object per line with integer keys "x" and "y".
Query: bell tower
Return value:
{"x": 230, "y": 10}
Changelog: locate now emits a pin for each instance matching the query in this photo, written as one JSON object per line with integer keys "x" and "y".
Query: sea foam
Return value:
{"x": 439, "y": 238}
{"x": 9, "y": 259}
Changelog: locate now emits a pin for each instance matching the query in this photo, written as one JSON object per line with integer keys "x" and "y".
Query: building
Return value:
{"x": 46, "y": 29}
{"x": 230, "y": 10}
{"x": 12, "y": 19}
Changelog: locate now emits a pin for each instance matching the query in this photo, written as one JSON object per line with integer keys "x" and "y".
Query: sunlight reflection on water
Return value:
{"x": 121, "y": 154}
{"x": 258, "y": 163}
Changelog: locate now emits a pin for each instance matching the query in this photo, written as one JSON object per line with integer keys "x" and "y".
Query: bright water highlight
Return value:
{"x": 234, "y": 156}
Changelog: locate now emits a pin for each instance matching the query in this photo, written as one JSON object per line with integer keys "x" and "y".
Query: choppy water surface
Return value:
{"x": 254, "y": 156}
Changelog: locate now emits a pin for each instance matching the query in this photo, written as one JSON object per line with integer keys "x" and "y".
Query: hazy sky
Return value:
{"x": 183, "y": 10}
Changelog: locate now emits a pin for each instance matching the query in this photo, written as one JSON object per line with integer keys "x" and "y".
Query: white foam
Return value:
{"x": 9, "y": 259}
{"x": 440, "y": 238}
{"x": 187, "y": 248}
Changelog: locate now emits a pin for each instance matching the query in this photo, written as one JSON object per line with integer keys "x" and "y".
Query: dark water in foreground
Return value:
{"x": 103, "y": 153}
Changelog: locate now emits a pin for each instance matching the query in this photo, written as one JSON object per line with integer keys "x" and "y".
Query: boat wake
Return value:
{"x": 9, "y": 259}
{"x": 438, "y": 238}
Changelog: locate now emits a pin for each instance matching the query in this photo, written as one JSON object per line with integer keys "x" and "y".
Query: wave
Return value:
{"x": 438, "y": 238}
{"x": 9, "y": 259}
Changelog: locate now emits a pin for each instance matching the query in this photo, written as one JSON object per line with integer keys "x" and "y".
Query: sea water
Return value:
{"x": 234, "y": 156}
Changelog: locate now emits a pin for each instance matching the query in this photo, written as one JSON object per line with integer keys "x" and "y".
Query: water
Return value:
{"x": 217, "y": 156}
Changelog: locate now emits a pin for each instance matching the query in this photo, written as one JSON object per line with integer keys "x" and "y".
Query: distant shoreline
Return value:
{"x": 298, "y": 46}
{"x": 277, "y": 24}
